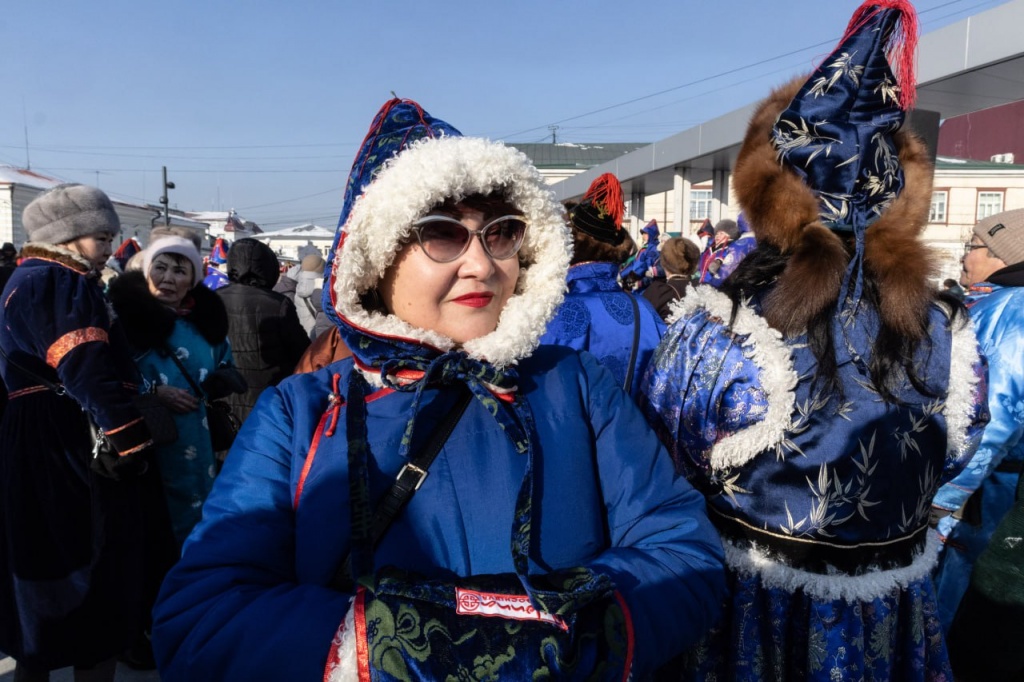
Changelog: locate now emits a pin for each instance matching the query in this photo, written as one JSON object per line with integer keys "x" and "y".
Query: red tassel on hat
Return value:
{"x": 902, "y": 44}
{"x": 606, "y": 193}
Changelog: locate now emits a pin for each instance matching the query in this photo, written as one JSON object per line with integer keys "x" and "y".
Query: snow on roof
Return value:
{"x": 309, "y": 231}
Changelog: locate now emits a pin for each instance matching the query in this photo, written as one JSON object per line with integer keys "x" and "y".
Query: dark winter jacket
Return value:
{"x": 267, "y": 339}
{"x": 70, "y": 541}
{"x": 662, "y": 293}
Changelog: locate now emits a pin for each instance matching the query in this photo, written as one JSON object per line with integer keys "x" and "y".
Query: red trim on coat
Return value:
{"x": 67, "y": 343}
{"x": 26, "y": 391}
{"x": 630, "y": 636}
{"x": 362, "y": 651}
{"x": 111, "y": 432}
{"x": 137, "y": 448}
{"x": 309, "y": 457}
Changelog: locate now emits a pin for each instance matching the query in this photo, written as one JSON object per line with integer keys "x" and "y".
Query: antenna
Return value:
{"x": 24, "y": 117}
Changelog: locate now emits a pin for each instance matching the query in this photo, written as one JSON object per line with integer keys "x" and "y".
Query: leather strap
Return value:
{"x": 405, "y": 485}
{"x": 636, "y": 343}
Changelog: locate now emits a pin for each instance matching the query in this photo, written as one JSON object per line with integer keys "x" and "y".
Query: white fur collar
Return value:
{"x": 766, "y": 348}
{"x": 963, "y": 382}
{"x": 412, "y": 182}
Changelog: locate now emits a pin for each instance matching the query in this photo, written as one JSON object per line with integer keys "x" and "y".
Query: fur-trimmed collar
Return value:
{"x": 783, "y": 212}
{"x": 148, "y": 323}
{"x": 407, "y": 186}
{"x": 57, "y": 254}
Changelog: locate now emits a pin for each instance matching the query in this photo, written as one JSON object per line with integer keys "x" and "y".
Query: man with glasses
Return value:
{"x": 969, "y": 507}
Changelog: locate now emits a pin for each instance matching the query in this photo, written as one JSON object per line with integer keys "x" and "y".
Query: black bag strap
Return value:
{"x": 636, "y": 343}
{"x": 200, "y": 393}
{"x": 409, "y": 479}
{"x": 56, "y": 388}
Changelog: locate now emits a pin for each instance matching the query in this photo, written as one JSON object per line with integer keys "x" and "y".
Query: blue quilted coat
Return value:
{"x": 598, "y": 316}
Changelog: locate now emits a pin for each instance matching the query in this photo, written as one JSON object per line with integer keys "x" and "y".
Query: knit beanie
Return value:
{"x": 600, "y": 213}
{"x": 66, "y": 212}
{"x": 313, "y": 263}
{"x": 178, "y": 245}
{"x": 1003, "y": 234}
{"x": 176, "y": 231}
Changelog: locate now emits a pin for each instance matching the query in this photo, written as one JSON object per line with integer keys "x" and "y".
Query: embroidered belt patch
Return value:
{"x": 510, "y": 606}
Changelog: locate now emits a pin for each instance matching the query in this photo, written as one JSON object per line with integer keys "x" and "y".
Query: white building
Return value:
{"x": 19, "y": 186}
{"x": 290, "y": 242}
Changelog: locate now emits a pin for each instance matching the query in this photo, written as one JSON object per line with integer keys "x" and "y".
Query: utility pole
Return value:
{"x": 554, "y": 131}
{"x": 164, "y": 200}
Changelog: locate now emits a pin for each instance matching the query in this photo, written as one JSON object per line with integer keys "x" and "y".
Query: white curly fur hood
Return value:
{"x": 409, "y": 185}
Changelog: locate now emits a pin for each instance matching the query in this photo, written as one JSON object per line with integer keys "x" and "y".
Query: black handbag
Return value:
{"x": 221, "y": 421}
{"x": 567, "y": 625}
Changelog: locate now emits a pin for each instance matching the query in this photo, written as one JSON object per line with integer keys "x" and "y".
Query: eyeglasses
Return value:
{"x": 968, "y": 247}
{"x": 444, "y": 239}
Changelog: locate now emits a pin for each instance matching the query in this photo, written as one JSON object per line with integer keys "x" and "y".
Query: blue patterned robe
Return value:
{"x": 998, "y": 317}
{"x": 597, "y": 316}
{"x": 823, "y": 503}
{"x": 187, "y": 466}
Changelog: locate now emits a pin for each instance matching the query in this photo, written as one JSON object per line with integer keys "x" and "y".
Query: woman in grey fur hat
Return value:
{"x": 69, "y": 524}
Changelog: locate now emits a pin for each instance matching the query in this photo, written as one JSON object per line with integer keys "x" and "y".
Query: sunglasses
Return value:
{"x": 444, "y": 239}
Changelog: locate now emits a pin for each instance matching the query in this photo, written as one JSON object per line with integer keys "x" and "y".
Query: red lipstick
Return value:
{"x": 474, "y": 300}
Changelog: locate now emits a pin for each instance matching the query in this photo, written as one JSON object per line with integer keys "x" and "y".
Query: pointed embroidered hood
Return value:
{"x": 826, "y": 155}
{"x": 408, "y": 163}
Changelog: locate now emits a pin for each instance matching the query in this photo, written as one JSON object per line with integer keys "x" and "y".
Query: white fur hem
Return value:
{"x": 959, "y": 407}
{"x": 412, "y": 182}
{"x": 343, "y": 666}
{"x": 851, "y": 588}
{"x": 767, "y": 349}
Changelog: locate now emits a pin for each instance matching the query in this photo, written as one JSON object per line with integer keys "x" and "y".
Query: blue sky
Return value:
{"x": 259, "y": 105}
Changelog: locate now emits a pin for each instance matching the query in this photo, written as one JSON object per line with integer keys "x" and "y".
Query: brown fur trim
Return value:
{"x": 812, "y": 277}
{"x": 783, "y": 212}
{"x": 586, "y": 249}
{"x": 894, "y": 255}
{"x": 57, "y": 254}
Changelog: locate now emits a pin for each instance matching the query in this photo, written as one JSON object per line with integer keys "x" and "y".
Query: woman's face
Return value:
{"x": 95, "y": 248}
{"x": 461, "y": 299}
{"x": 169, "y": 279}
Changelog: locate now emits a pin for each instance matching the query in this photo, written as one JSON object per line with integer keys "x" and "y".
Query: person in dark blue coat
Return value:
{"x": 621, "y": 329}
{"x": 450, "y": 260}
{"x": 70, "y": 539}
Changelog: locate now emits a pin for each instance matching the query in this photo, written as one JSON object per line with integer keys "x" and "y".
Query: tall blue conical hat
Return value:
{"x": 827, "y": 158}
{"x": 837, "y": 133}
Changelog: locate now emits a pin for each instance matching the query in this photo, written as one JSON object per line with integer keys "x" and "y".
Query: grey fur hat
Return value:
{"x": 66, "y": 212}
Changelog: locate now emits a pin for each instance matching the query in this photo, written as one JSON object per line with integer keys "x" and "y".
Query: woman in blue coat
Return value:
{"x": 620, "y": 328}
{"x": 70, "y": 539}
{"x": 430, "y": 311}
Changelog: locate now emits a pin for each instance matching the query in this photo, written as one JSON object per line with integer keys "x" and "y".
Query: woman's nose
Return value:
{"x": 476, "y": 262}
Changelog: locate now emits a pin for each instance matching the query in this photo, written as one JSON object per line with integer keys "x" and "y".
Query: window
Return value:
{"x": 937, "y": 214}
{"x": 989, "y": 203}
{"x": 700, "y": 204}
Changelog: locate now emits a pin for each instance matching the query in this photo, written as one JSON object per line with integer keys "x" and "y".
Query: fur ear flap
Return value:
{"x": 810, "y": 283}
{"x": 893, "y": 252}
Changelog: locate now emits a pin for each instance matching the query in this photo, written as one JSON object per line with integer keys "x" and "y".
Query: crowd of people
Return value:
{"x": 490, "y": 437}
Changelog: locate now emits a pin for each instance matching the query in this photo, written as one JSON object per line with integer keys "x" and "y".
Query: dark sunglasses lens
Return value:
{"x": 442, "y": 240}
{"x": 505, "y": 237}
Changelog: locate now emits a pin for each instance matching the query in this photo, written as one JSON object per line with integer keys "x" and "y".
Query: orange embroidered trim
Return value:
{"x": 27, "y": 391}
{"x": 137, "y": 448}
{"x": 122, "y": 428}
{"x": 65, "y": 344}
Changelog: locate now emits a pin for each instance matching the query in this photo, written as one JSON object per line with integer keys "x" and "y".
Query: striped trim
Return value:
{"x": 111, "y": 432}
{"x": 311, "y": 455}
{"x": 67, "y": 343}
{"x": 137, "y": 448}
{"x": 27, "y": 391}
